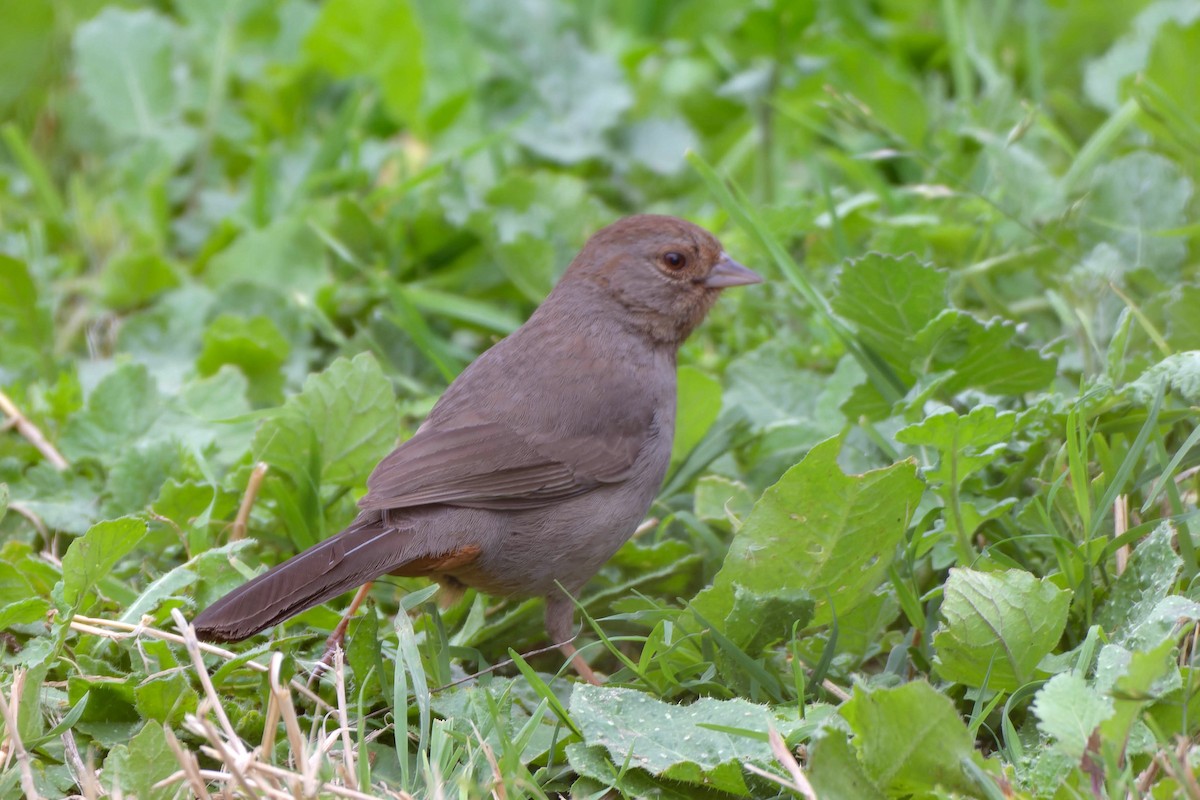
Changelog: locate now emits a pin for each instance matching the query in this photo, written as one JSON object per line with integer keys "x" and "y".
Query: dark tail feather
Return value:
{"x": 361, "y": 553}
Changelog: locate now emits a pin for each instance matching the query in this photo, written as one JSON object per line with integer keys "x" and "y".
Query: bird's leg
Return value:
{"x": 338, "y": 637}
{"x": 559, "y": 611}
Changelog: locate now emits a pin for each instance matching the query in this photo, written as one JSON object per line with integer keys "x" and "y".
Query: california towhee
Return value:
{"x": 543, "y": 456}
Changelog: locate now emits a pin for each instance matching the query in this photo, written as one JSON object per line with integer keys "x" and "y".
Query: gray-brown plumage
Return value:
{"x": 541, "y": 459}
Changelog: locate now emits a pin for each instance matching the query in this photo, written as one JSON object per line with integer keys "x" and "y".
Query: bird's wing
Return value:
{"x": 490, "y": 465}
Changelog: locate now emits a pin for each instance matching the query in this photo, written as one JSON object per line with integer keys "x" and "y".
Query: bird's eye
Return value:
{"x": 674, "y": 260}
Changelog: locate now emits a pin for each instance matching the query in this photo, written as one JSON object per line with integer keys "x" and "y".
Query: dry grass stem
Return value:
{"x": 1120, "y": 526}
{"x": 12, "y": 744}
{"x": 31, "y": 432}
{"x": 835, "y": 690}
{"x": 785, "y": 757}
{"x": 339, "y": 672}
{"x": 95, "y": 626}
{"x": 498, "y": 790}
{"x": 84, "y": 775}
{"x": 242, "y": 521}
{"x": 190, "y": 768}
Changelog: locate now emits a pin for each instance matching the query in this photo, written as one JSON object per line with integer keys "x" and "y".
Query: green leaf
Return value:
{"x": 1069, "y": 710}
{"x": 171, "y": 584}
{"x": 967, "y": 444}
{"x": 286, "y": 255}
{"x": 138, "y": 474}
{"x": 998, "y": 626}
{"x": 982, "y": 356}
{"x": 1138, "y": 612}
{"x": 676, "y": 742}
{"x": 835, "y": 771}
{"x": 698, "y": 401}
{"x": 14, "y": 585}
{"x": 910, "y": 739}
{"x": 124, "y": 60}
{"x": 25, "y": 327}
{"x": 716, "y": 498}
{"x": 1183, "y": 323}
{"x": 1132, "y": 201}
{"x": 889, "y": 300}
{"x": 1180, "y": 372}
{"x": 23, "y": 612}
{"x": 255, "y": 346}
{"x": 593, "y": 763}
{"x": 349, "y": 413}
{"x": 820, "y": 531}
{"x": 130, "y": 280}
{"x": 165, "y": 698}
{"x": 376, "y": 38}
{"x": 1134, "y": 681}
{"x": 1169, "y": 62}
{"x": 26, "y": 46}
{"x": 122, "y": 407}
{"x": 760, "y": 619}
{"x": 145, "y": 761}
{"x": 91, "y": 557}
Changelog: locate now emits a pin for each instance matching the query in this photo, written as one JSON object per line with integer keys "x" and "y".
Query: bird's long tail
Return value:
{"x": 362, "y": 552}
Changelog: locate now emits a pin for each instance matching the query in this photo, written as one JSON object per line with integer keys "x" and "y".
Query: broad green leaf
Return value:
{"x": 1183, "y": 323}
{"x": 1170, "y": 61}
{"x": 122, "y": 407}
{"x": 348, "y": 411}
{"x": 25, "y": 327}
{"x": 573, "y": 107}
{"x": 979, "y": 355}
{"x": 1132, "y": 201}
{"x": 1069, "y": 710}
{"x": 819, "y": 531}
{"x": 910, "y": 739}
{"x": 998, "y": 626}
{"x": 594, "y": 763}
{"x": 165, "y": 698}
{"x": 23, "y": 612}
{"x": 835, "y": 771}
{"x": 137, "y": 476}
{"x": 759, "y": 619}
{"x": 1140, "y": 612}
{"x": 966, "y": 444}
{"x": 1180, "y": 372}
{"x": 1105, "y": 75}
{"x": 674, "y": 741}
{"x": 286, "y": 255}
{"x": 255, "y": 346}
{"x": 139, "y": 765}
{"x": 376, "y": 38}
{"x": 772, "y": 386}
{"x": 92, "y": 557}
{"x": 698, "y": 404}
{"x": 130, "y": 280}
{"x": 716, "y": 498}
{"x": 888, "y": 300}
{"x": 13, "y": 585}
{"x": 124, "y": 62}
{"x": 67, "y": 501}
{"x": 26, "y": 46}
{"x": 1134, "y": 681}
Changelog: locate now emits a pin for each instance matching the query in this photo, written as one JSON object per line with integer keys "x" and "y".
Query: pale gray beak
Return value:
{"x": 728, "y": 272}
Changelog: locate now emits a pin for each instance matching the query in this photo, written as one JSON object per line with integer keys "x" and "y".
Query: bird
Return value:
{"x": 540, "y": 459}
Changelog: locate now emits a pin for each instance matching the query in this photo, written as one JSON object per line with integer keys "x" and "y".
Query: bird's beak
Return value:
{"x": 728, "y": 272}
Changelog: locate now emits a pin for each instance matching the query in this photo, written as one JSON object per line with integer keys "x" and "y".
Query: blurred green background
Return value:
{"x": 235, "y": 231}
